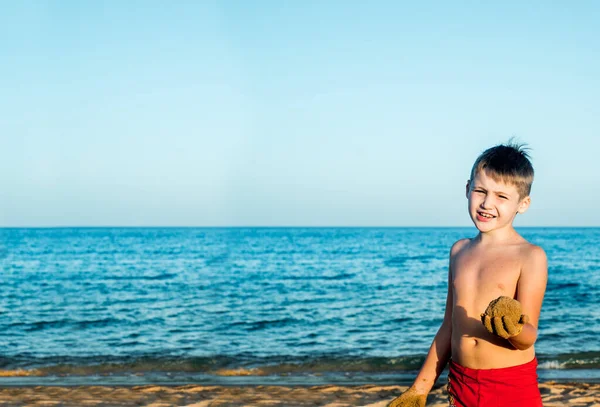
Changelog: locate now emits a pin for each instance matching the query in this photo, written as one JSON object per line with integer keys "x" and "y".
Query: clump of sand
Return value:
{"x": 503, "y": 317}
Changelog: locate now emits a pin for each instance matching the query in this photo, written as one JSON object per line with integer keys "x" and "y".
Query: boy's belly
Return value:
{"x": 480, "y": 353}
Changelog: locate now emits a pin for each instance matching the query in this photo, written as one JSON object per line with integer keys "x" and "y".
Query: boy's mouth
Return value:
{"x": 485, "y": 216}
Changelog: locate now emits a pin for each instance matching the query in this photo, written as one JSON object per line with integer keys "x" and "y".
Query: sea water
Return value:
{"x": 261, "y": 305}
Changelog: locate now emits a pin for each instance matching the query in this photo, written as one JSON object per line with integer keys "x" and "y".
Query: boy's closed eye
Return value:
{"x": 480, "y": 191}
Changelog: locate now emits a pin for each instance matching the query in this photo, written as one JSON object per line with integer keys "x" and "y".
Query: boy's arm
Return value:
{"x": 439, "y": 352}
{"x": 530, "y": 293}
{"x": 436, "y": 359}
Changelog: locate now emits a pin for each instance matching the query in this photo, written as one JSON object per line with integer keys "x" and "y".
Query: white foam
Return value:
{"x": 551, "y": 364}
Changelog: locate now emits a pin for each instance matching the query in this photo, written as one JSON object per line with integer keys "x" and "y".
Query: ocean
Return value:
{"x": 288, "y": 306}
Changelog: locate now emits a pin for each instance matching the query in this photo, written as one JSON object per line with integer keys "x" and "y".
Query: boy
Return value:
{"x": 496, "y": 285}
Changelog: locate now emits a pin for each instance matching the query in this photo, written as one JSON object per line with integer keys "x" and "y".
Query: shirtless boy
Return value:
{"x": 489, "y": 344}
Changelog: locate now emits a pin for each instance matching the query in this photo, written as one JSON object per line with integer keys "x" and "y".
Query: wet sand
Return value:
{"x": 553, "y": 394}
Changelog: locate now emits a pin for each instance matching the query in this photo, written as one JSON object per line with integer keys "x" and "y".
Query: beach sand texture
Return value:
{"x": 554, "y": 395}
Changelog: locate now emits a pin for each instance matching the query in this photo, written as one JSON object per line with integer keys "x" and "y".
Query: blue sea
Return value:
{"x": 260, "y": 305}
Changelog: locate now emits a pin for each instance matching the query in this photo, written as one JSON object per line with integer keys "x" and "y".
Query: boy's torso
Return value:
{"x": 480, "y": 275}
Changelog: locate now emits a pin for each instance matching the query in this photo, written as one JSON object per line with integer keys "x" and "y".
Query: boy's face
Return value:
{"x": 493, "y": 204}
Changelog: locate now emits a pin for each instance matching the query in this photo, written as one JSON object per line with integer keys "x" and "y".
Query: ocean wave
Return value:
{"x": 218, "y": 364}
{"x": 341, "y": 276}
{"x": 157, "y": 277}
{"x": 551, "y": 364}
{"x": 248, "y": 365}
{"x": 64, "y": 323}
{"x": 578, "y": 360}
{"x": 401, "y": 260}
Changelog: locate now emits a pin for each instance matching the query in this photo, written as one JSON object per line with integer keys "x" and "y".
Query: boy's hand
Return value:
{"x": 503, "y": 317}
{"x": 410, "y": 398}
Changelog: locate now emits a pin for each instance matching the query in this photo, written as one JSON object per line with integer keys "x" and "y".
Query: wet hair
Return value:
{"x": 508, "y": 163}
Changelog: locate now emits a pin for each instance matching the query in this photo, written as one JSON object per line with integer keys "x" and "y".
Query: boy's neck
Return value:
{"x": 499, "y": 236}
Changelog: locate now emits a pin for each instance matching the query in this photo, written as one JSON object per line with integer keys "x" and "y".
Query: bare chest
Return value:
{"x": 486, "y": 276}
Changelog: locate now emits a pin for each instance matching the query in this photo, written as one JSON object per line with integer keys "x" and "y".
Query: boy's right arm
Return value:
{"x": 440, "y": 349}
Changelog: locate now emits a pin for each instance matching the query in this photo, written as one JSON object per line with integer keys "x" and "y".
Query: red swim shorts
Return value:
{"x": 510, "y": 386}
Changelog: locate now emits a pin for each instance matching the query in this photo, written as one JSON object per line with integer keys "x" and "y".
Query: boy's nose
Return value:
{"x": 485, "y": 204}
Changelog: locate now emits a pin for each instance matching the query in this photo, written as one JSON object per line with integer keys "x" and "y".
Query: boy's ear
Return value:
{"x": 524, "y": 205}
{"x": 467, "y": 188}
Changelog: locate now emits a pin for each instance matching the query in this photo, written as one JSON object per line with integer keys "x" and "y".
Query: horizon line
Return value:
{"x": 278, "y": 227}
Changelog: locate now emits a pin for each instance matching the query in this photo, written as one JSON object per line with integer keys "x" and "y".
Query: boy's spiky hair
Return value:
{"x": 507, "y": 163}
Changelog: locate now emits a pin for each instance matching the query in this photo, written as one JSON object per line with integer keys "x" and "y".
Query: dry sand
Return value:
{"x": 554, "y": 395}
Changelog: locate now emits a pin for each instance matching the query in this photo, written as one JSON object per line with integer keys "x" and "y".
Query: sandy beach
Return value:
{"x": 554, "y": 395}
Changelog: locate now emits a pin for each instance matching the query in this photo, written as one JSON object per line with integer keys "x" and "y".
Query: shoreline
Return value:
{"x": 553, "y": 395}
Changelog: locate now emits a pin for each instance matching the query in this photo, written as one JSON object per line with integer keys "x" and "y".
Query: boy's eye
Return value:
{"x": 503, "y": 197}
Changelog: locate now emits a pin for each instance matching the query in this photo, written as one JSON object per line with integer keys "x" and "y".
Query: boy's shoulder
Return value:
{"x": 458, "y": 246}
{"x": 529, "y": 251}
{"x": 533, "y": 258}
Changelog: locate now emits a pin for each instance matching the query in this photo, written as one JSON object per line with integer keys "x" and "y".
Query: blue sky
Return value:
{"x": 311, "y": 113}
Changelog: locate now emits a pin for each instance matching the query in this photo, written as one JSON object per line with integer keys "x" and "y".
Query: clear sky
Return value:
{"x": 314, "y": 113}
